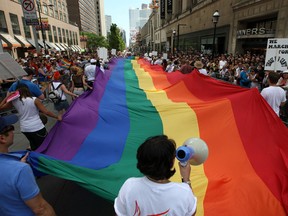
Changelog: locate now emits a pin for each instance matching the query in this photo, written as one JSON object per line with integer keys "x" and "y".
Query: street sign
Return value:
{"x": 277, "y": 54}
{"x": 29, "y": 11}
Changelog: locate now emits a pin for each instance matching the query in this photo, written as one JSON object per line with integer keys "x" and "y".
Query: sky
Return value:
{"x": 119, "y": 10}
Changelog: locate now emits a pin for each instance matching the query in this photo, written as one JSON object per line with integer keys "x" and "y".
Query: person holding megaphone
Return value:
{"x": 154, "y": 193}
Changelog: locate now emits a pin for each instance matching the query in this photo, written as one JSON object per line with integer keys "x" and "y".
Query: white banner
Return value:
{"x": 276, "y": 54}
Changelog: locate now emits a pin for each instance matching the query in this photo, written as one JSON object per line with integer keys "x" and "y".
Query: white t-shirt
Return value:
{"x": 203, "y": 71}
{"x": 90, "y": 71}
{"x": 222, "y": 63}
{"x": 140, "y": 195}
{"x": 274, "y": 95}
{"x": 28, "y": 114}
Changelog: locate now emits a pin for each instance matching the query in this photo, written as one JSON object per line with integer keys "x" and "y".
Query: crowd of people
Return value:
{"x": 245, "y": 70}
{"x": 156, "y": 156}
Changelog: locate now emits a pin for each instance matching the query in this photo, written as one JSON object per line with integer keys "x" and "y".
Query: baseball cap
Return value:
{"x": 7, "y": 121}
{"x": 93, "y": 61}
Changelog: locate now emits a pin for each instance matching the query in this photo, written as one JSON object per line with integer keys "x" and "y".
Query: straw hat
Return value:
{"x": 198, "y": 64}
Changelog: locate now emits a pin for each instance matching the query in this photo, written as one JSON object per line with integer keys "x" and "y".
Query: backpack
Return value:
{"x": 54, "y": 95}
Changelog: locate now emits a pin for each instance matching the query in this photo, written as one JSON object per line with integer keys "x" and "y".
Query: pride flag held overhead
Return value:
{"x": 95, "y": 144}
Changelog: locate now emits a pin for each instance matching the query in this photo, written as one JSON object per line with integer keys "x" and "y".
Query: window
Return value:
{"x": 76, "y": 38}
{"x": 50, "y": 34}
{"x": 56, "y": 14}
{"x": 51, "y": 12}
{"x": 45, "y": 9}
{"x": 64, "y": 37}
{"x": 60, "y": 35}
{"x": 55, "y": 34}
{"x": 15, "y": 24}
{"x": 3, "y": 24}
{"x": 61, "y": 15}
{"x": 67, "y": 36}
{"x": 71, "y": 38}
{"x": 27, "y": 31}
{"x": 63, "y": 7}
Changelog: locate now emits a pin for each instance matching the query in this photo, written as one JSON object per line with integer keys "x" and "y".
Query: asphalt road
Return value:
{"x": 66, "y": 197}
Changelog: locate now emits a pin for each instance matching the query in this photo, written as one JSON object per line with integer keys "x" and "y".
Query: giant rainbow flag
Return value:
{"x": 95, "y": 144}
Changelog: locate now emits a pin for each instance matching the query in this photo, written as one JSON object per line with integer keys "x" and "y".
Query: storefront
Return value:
{"x": 252, "y": 35}
{"x": 203, "y": 40}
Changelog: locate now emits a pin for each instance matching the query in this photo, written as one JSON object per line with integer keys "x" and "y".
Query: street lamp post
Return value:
{"x": 41, "y": 25}
{"x": 215, "y": 19}
{"x": 173, "y": 47}
{"x": 178, "y": 30}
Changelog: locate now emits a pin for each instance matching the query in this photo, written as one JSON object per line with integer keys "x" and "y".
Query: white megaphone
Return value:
{"x": 194, "y": 150}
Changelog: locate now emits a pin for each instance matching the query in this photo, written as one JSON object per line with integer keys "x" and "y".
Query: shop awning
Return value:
{"x": 60, "y": 47}
{"x": 49, "y": 44}
{"x": 4, "y": 44}
{"x": 41, "y": 43}
{"x": 9, "y": 67}
{"x": 63, "y": 45}
{"x": 54, "y": 46}
{"x": 10, "y": 40}
{"x": 73, "y": 48}
{"x": 22, "y": 40}
{"x": 32, "y": 42}
{"x": 78, "y": 47}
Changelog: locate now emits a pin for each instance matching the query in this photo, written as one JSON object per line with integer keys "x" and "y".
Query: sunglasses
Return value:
{"x": 7, "y": 129}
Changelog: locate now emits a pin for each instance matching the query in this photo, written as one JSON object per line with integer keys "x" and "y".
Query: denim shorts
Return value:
{"x": 61, "y": 105}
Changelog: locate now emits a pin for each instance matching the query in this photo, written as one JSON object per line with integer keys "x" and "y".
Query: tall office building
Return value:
{"x": 137, "y": 19}
{"x": 123, "y": 35}
{"x": 88, "y": 15}
{"x": 108, "y": 19}
{"x": 100, "y": 17}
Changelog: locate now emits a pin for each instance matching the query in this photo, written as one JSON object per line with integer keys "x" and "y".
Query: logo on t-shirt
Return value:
{"x": 138, "y": 211}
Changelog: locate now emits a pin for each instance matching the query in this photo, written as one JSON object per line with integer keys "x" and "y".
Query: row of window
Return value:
{"x": 58, "y": 10}
{"x": 64, "y": 36}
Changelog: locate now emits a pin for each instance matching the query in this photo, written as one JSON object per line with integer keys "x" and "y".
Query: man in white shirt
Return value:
{"x": 199, "y": 65}
{"x": 89, "y": 72}
{"x": 274, "y": 95}
{"x": 222, "y": 62}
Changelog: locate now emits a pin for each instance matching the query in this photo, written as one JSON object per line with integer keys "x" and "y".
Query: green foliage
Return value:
{"x": 95, "y": 41}
{"x": 115, "y": 40}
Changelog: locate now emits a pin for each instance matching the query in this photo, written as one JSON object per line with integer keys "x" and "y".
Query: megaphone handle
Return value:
{"x": 184, "y": 164}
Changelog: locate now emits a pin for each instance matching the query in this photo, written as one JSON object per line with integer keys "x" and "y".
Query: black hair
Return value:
{"x": 156, "y": 157}
{"x": 29, "y": 71}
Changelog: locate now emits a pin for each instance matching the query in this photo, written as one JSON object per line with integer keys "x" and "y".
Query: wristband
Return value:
{"x": 187, "y": 182}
